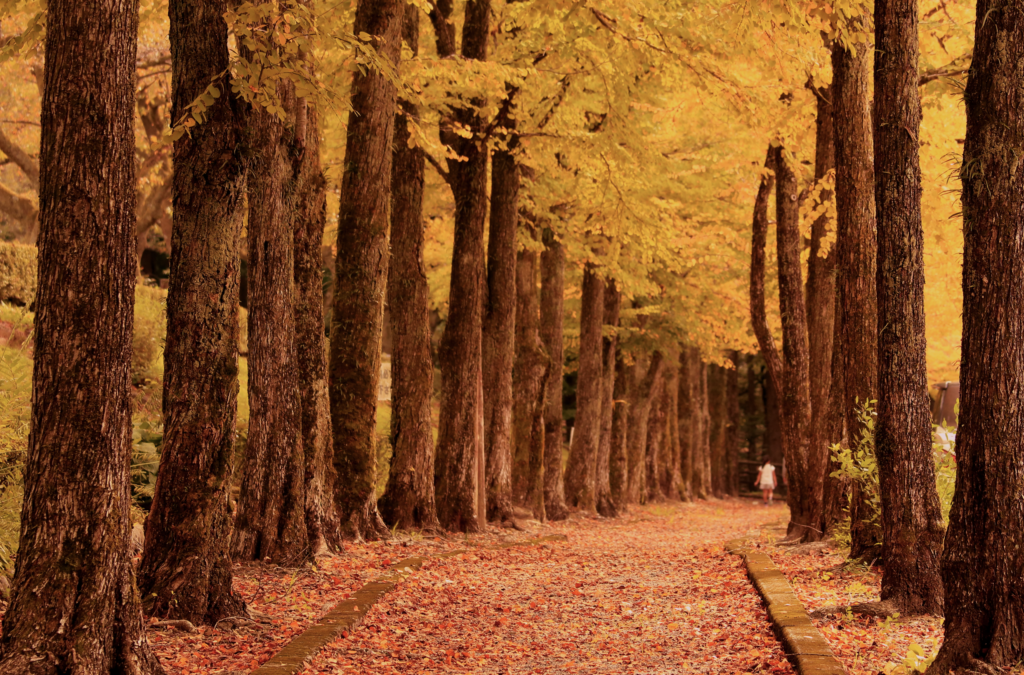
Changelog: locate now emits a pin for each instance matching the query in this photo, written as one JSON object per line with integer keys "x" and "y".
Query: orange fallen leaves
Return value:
{"x": 621, "y": 596}
{"x": 865, "y": 645}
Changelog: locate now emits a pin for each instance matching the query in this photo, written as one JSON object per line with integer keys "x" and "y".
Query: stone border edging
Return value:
{"x": 350, "y": 612}
{"x": 805, "y": 647}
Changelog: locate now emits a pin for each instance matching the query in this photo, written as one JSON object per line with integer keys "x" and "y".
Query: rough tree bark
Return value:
{"x": 796, "y": 400}
{"x": 408, "y": 501}
{"x": 612, "y": 304}
{"x": 361, "y": 268}
{"x": 307, "y": 206}
{"x": 581, "y": 473}
{"x": 499, "y": 320}
{"x": 733, "y": 430}
{"x": 532, "y": 369}
{"x": 74, "y": 606}
{"x": 753, "y": 407}
{"x": 836, "y": 493}
{"x": 552, "y": 297}
{"x": 773, "y": 427}
{"x": 856, "y": 244}
{"x": 455, "y": 482}
{"x": 657, "y": 425}
{"x": 704, "y": 449}
{"x": 270, "y": 523}
{"x": 618, "y": 461}
{"x": 912, "y": 526}
{"x": 639, "y": 415}
{"x": 185, "y": 571}
{"x": 821, "y": 306}
{"x": 689, "y": 393}
{"x": 758, "y": 310}
{"x": 671, "y": 475}
{"x": 717, "y": 410}
{"x": 982, "y": 563}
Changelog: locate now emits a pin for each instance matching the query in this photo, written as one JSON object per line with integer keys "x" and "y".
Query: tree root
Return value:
{"x": 880, "y": 610}
{"x": 180, "y": 624}
{"x": 234, "y": 622}
{"x": 969, "y": 665}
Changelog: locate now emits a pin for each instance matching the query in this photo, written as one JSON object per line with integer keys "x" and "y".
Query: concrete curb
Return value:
{"x": 805, "y": 647}
{"x": 349, "y": 613}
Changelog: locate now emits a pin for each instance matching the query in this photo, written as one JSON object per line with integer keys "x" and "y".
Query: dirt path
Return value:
{"x": 653, "y": 592}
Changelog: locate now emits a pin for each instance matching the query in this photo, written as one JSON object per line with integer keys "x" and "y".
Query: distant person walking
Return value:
{"x": 766, "y": 481}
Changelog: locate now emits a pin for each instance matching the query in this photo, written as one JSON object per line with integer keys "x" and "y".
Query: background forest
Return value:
{"x": 438, "y": 264}
{"x": 639, "y": 128}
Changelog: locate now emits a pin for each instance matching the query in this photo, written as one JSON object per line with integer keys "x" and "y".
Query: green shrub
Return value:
{"x": 18, "y": 273}
{"x": 859, "y": 464}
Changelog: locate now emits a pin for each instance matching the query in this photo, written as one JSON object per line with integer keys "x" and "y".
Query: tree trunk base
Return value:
{"x": 880, "y": 610}
{"x": 953, "y": 660}
{"x": 366, "y": 525}
{"x": 606, "y": 507}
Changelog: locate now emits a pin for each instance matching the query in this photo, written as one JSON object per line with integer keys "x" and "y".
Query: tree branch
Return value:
{"x": 20, "y": 157}
{"x": 437, "y": 167}
{"x": 18, "y": 206}
{"x": 151, "y": 207}
{"x": 758, "y": 314}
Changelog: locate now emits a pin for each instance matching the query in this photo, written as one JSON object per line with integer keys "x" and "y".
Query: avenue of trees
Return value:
{"x": 578, "y": 178}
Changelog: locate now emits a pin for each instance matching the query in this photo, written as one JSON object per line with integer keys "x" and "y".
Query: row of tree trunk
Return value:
{"x": 877, "y": 351}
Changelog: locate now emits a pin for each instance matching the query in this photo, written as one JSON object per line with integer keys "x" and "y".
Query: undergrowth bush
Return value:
{"x": 859, "y": 464}
{"x": 150, "y": 333}
{"x": 18, "y": 273}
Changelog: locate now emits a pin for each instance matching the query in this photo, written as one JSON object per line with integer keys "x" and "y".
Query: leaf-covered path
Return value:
{"x": 652, "y": 592}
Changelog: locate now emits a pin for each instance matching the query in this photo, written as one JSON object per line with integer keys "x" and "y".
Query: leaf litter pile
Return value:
{"x": 823, "y": 581}
{"x": 652, "y": 592}
{"x": 284, "y": 602}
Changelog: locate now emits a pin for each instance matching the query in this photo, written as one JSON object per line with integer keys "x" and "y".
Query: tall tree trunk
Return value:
{"x": 612, "y": 303}
{"x": 689, "y": 423}
{"x": 758, "y": 308}
{"x": 717, "y": 410}
{"x": 836, "y": 493}
{"x": 552, "y": 292}
{"x": 821, "y": 306}
{"x": 499, "y": 320}
{"x": 734, "y": 429}
{"x": 271, "y": 507}
{"x": 671, "y": 475}
{"x": 408, "y": 501}
{"x": 581, "y": 472}
{"x": 618, "y": 460}
{"x": 639, "y": 415}
{"x": 982, "y": 563}
{"x": 753, "y": 408}
{"x": 912, "y": 526}
{"x": 307, "y": 206}
{"x": 655, "y": 451}
{"x": 705, "y": 433}
{"x": 855, "y": 231}
{"x": 361, "y": 269}
{"x": 455, "y": 475}
{"x": 773, "y": 425}
{"x": 185, "y": 571}
{"x": 74, "y": 606}
{"x": 532, "y": 370}
{"x": 796, "y": 401}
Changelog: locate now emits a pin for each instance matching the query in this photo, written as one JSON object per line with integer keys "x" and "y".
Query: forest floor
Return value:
{"x": 824, "y": 581}
{"x": 649, "y": 592}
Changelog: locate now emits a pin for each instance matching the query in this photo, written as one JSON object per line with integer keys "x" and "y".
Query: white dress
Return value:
{"x": 767, "y": 477}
